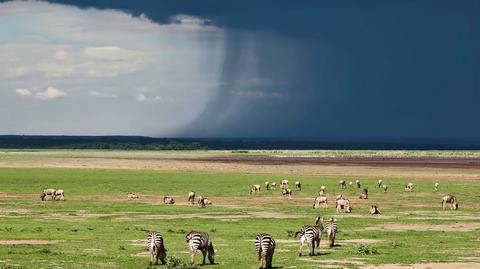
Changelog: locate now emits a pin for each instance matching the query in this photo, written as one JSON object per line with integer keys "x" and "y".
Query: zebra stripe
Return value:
{"x": 265, "y": 247}
{"x": 332, "y": 231}
{"x": 310, "y": 235}
{"x": 156, "y": 247}
{"x": 200, "y": 241}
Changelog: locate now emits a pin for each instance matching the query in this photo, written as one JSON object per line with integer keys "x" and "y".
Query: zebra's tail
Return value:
{"x": 298, "y": 232}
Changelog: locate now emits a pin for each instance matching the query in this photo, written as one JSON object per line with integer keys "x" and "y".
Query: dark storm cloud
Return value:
{"x": 337, "y": 68}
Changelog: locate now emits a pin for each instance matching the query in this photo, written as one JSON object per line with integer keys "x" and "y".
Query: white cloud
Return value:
{"x": 23, "y": 92}
{"x": 110, "y": 53}
{"x": 102, "y": 94}
{"x": 142, "y": 98}
{"x": 50, "y": 94}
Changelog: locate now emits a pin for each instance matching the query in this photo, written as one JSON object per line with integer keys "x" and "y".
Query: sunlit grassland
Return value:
{"x": 97, "y": 227}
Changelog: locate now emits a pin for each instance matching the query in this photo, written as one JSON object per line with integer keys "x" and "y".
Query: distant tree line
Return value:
{"x": 238, "y": 145}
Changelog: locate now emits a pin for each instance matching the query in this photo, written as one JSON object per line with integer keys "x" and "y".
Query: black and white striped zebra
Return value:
{"x": 200, "y": 241}
{"x": 156, "y": 248}
{"x": 265, "y": 247}
{"x": 332, "y": 231}
{"x": 310, "y": 235}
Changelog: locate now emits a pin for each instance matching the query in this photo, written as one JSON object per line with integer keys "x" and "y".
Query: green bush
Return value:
{"x": 367, "y": 250}
{"x": 175, "y": 263}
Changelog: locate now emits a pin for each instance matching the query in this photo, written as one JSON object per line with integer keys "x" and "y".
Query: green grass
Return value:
{"x": 98, "y": 228}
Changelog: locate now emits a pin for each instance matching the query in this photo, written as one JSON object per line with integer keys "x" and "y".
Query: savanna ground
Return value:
{"x": 98, "y": 227}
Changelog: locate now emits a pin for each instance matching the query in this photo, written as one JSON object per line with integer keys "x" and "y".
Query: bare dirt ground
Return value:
{"x": 421, "y": 168}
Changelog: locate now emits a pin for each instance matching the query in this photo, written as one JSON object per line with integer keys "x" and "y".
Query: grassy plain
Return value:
{"x": 98, "y": 227}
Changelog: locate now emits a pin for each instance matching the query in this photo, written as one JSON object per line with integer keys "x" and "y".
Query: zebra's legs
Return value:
{"x": 204, "y": 252}
{"x": 260, "y": 261}
{"x": 300, "y": 249}
{"x": 268, "y": 260}
{"x": 152, "y": 258}
{"x": 192, "y": 257}
{"x": 311, "y": 246}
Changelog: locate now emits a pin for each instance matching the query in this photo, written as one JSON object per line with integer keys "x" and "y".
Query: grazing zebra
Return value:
{"x": 168, "y": 200}
{"x": 374, "y": 210}
{"x": 343, "y": 204}
{"x": 298, "y": 185}
{"x": 320, "y": 200}
{"x": 267, "y": 185}
{"x": 350, "y": 185}
{"x": 310, "y": 235}
{"x": 342, "y": 184}
{"x": 131, "y": 195}
{"x": 322, "y": 190}
{"x": 156, "y": 248}
{"x": 284, "y": 184}
{"x": 379, "y": 183}
{"x": 332, "y": 231}
{"x": 254, "y": 189}
{"x": 364, "y": 195}
{"x": 200, "y": 241}
{"x": 265, "y": 247}
{"x": 357, "y": 182}
{"x": 47, "y": 192}
{"x": 191, "y": 197}
{"x": 286, "y": 192}
{"x": 451, "y": 200}
{"x": 60, "y": 194}
{"x": 273, "y": 186}
{"x": 435, "y": 187}
{"x": 385, "y": 188}
{"x": 409, "y": 187}
{"x": 201, "y": 201}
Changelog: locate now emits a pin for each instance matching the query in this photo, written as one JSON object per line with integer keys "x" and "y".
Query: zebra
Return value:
{"x": 364, "y": 195}
{"x": 451, "y": 200}
{"x": 286, "y": 192}
{"x": 320, "y": 200}
{"x": 265, "y": 247}
{"x": 357, "y": 182}
{"x": 342, "y": 184}
{"x": 200, "y": 241}
{"x": 254, "y": 189}
{"x": 284, "y": 184}
{"x": 131, "y": 195}
{"x": 379, "y": 183}
{"x": 156, "y": 248}
{"x": 350, "y": 185}
{"x": 60, "y": 194}
{"x": 191, "y": 197}
{"x": 47, "y": 192}
{"x": 168, "y": 200}
{"x": 298, "y": 185}
{"x": 385, "y": 188}
{"x": 332, "y": 231}
{"x": 408, "y": 187}
{"x": 267, "y": 185}
{"x": 340, "y": 196}
{"x": 374, "y": 210}
{"x": 273, "y": 186}
{"x": 322, "y": 190}
{"x": 435, "y": 186}
{"x": 310, "y": 235}
{"x": 343, "y": 204}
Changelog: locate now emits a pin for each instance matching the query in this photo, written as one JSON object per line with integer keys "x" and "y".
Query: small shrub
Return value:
{"x": 290, "y": 233}
{"x": 38, "y": 229}
{"x": 8, "y": 229}
{"x": 213, "y": 230}
{"x": 121, "y": 248}
{"x": 367, "y": 250}
{"x": 45, "y": 251}
{"x": 175, "y": 263}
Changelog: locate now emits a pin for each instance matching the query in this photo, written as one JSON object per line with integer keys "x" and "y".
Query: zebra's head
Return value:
{"x": 211, "y": 253}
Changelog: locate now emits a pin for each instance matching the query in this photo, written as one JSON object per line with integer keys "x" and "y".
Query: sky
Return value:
{"x": 215, "y": 68}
